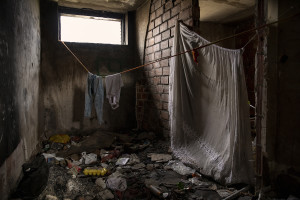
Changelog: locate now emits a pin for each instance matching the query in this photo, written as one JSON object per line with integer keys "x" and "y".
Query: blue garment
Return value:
{"x": 94, "y": 93}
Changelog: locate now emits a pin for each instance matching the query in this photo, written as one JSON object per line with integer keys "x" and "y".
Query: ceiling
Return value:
{"x": 210, "y": 10}
{"x": 119, "y": 6}
{"x": 225, "y": 10}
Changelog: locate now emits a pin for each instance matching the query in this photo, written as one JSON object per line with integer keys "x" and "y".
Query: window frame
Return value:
{"x": 92, "y": 13}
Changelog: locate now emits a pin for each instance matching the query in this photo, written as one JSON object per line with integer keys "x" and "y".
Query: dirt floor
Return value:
{"x": 107, "y": 165}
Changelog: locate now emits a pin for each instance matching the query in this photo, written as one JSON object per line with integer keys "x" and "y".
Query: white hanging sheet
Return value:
{"x": 209, "y": 111}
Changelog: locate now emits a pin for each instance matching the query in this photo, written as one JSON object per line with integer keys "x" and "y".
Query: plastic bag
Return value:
{"x": 88, "y": 158}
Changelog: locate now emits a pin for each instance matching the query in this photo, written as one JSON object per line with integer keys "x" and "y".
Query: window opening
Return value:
{"x": 91, "y": 29}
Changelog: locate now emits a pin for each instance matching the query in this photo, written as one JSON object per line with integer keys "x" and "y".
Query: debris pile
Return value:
{"x": 108, "y": 165}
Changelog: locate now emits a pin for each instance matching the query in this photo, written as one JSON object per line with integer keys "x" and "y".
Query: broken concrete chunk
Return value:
{"x": 116, "y": 183}
{"x": 50, "y": 197}
{"x": 213, "y": 187}
{"x": 196, "y": 181}
{"x": 133, "y": 159}
{"x": 100, "y": 182}
{"x": 224, "y": 193}
{"x": 106, "y": 194}
{"x": 75, "y": 157}
{"x": 160, "y": 157}
{"x": 139, "y": 166}
{"x": 180, "y": 168}
{"x": 72, "y": 186}
{"x": 150, "y": 167}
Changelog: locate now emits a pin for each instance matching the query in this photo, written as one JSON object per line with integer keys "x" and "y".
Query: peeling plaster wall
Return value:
{"x": 63, "y": 80}
{"x": 20, "y": 64}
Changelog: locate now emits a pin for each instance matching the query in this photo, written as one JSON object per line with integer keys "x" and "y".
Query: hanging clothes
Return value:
{"x": 94, "y": 94}
{"x": 113, "y": 85}
{"x": 209, "y": 114}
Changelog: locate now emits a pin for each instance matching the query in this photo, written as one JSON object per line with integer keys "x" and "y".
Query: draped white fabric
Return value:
{"x": 209, "y": 111}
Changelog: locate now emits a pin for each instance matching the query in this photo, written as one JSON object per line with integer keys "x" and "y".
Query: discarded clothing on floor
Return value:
{"x": 94, "y": 94}
{"x": 113, "y": 89}
{"x": 34, "y": 180}
{"x": 209, "y": 114}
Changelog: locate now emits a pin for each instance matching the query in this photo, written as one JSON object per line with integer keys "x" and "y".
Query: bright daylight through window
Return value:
{"x": 85, "y": 29}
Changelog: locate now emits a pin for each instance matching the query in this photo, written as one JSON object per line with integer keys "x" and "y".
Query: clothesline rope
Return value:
{"x": 75, "y": 56}
{"x": 249, "y": 41}
{"x": 206, "y": 45}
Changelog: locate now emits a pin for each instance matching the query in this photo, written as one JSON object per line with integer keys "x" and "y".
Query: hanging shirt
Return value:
{"x": 94, "y": 93}
{"x": 113, "y": 89}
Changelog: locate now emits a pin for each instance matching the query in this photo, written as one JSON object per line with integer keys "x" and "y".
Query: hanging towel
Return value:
{"x": 94, "y": 94}
{"x": 209, "y": 112}
{"x": 113, "y": 89}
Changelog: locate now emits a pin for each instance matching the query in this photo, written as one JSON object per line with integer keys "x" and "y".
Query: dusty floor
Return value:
{"x": 148, "y": 171}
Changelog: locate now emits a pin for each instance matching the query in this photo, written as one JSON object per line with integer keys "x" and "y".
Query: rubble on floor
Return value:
{"x": 107, "y": 165}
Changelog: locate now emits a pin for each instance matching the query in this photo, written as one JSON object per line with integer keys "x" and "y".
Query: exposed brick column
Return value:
{"x": 153, "y": 89}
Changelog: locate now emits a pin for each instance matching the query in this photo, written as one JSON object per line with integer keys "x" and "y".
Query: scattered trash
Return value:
{"x": 156, "y": 191}
{"x": 103, "y": 166}
{"x": 73, "y": 171}
{"x": 34, "y": 180}
{"x": 116, "y": 183}
{"x": 133, "y": 159}
{"x": 180, "y": 168}
{"x": 237, "y": 193}
{"x": 122, "y": 161}
{"x": 51, "y": 158}
{"x": 95, "y": 172}
{"x": 224, "y": 193}
{"x": 139, "y": 166}
{"x": 50, "y": 197}
{"x": 213, "y": 187}
{"x": 60, "y": 138}
{"x": 72, "y": 165}
{"x": 160, "y": 157}
{"x": 106, "y": 194}
{"x": 75, "y": 157}
{"x": 88, "y": 158}
{"x": 57, "y": 146}
{"x": 72, "y": 186}
{"x": 196, "y": 181}
{"x": 112, "y": 154}
{"x": 100, "y": 182}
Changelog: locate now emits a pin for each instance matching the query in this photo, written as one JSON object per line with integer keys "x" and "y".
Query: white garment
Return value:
{"x": 113, "y": 84}
{"x": 209, "y": 111}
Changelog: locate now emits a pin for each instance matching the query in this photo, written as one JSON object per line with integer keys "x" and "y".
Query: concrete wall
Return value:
{"x": 20, "y": 65}
{"x": 63, "y": 80}
{"x": 281, "y": 97}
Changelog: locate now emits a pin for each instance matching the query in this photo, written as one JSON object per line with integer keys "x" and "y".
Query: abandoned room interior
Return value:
{"x": 149, "y": 99}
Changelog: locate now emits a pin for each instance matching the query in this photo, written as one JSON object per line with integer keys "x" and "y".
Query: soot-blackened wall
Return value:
{"x": 63, "y": 79}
